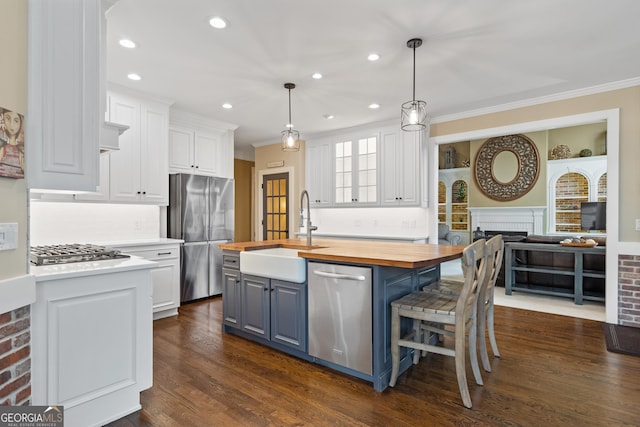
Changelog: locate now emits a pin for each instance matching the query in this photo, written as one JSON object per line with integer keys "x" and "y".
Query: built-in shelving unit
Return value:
{"x": 453, "y": 200}
{"x": 571, "y": 182}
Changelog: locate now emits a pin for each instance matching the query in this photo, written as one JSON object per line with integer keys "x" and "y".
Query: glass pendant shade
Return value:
{"x": 290, "y": 140}
{"x": 414, "y": 115}
{"x": 290, "y": 136}
{"x": 414, "y": 112}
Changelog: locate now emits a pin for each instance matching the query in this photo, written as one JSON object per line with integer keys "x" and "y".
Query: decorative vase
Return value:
{"x": 585, "y": 153}
{"x": 560, "y": 152}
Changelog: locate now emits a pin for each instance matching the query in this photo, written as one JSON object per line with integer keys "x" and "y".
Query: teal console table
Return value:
{"x": 546, "y": 270}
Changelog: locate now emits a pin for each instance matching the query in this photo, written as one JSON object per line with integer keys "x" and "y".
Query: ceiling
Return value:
{"x": 475, "y": 54}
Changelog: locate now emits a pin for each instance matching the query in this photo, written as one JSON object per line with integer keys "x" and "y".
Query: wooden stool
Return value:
{"x": 493, "y": 254}
{"x": 433, "y": 311}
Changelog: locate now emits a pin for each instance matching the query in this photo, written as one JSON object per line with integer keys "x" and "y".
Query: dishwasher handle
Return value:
{"x": 359, "y": 278}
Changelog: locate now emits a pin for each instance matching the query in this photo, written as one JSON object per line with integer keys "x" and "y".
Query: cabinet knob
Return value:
{"x": 192, "y": 165}
{"x": 144, "y": 192}
{"x": 266, "y": 289}
{"x": 197, "y": 166}
{"x": 138, "y": 192}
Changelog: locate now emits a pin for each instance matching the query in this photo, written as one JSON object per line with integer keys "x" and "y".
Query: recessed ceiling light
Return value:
{"x": 127, "y": 43}
{"x": 316, "y": 76}
{"x": 134, "y": 76}
{"x": 373, "y": 57}
{"x": 374, "y": 106}
{"x": 217, "y": 22}
{"x": 227, "y": 106}
{"x": 328, "y": 116}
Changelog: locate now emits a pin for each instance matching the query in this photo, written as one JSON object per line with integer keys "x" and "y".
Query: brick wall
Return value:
{"x": 15, "y": 357}
{"x": 629, "y": 290}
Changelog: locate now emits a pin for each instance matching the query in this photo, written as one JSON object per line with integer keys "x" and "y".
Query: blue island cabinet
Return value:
{"x": 275, "y": 313}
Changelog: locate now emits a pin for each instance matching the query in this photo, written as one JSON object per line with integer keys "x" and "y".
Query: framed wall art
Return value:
{"x": 515, "y": 152}
{"x": 11, "y": 144}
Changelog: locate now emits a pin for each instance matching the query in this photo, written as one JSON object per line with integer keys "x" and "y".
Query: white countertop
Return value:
{"x": 91, "y": 268}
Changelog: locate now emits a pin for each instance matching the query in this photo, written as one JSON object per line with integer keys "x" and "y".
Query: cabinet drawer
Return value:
{"x": 154, "y": 254}
{"x": 231, "y": 261}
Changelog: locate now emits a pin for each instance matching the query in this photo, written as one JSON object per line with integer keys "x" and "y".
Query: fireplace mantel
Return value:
{"x": 509, "y": 218}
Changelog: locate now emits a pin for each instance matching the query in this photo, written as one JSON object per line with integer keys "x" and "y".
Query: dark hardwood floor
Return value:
{"x": 554, "y": 371}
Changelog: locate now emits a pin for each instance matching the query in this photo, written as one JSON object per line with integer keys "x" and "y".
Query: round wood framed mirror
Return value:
{"x": 507, "y": 167}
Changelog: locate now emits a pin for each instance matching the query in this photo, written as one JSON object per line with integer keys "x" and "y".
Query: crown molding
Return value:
{"x": 607, "y": 87}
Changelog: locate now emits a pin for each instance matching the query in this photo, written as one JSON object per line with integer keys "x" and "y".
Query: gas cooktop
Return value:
{"x": 75, "y": 252}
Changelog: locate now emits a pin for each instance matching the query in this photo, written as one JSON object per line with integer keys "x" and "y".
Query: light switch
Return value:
{"x": 8, "y": 236}
{"x": 637, "y": 224}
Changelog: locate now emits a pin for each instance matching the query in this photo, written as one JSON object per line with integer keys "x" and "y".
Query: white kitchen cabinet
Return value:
{"x": 139, "y": 172}
{"x": 92, "y": 339}
{"x": 165, "y": 276}
{"x": 102, "y": 191}
{"x": 319, "y": 173}
{"x": 400, "y": 173}
{"x": 356, "y": 159}
{"x": 194, "y": 152}
{"x": 200, "y": 146}
{"x": 65, "y": 94}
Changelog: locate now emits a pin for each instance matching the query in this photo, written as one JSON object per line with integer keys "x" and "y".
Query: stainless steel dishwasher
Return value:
{"x": 340, "y": 315}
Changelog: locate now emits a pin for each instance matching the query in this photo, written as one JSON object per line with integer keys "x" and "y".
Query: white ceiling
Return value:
{"x": 475, "y": 54}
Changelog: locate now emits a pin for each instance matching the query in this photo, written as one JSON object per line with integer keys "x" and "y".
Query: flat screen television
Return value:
{"x": 593, "y": 216}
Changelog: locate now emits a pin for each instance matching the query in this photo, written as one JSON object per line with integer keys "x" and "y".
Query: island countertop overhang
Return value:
{"x": 368, "y": 252}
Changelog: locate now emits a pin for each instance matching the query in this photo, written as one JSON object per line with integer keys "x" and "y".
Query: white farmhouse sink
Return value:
{"x": 275, "y": 263}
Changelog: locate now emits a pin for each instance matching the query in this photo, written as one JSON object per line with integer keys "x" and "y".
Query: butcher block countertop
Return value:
{"x": 370, "y": 252}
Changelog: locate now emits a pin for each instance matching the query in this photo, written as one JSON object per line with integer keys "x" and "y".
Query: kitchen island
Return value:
{"x": 340, "y": 316}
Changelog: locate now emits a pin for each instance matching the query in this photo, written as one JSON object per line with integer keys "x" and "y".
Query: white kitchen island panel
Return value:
{"x": 92, "y": 339}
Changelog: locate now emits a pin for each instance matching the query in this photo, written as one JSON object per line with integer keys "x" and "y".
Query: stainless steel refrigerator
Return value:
{"x": 201, "y": 213}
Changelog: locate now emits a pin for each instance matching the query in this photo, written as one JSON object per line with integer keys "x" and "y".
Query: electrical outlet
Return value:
{"x": 8, "y": 236}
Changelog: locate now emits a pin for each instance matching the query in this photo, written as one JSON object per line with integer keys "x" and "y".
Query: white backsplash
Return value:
{"x": 56, "y": 223}
{"x": 401, "y": 222}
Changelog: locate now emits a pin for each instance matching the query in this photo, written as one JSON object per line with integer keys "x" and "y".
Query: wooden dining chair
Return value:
{"x": 434, "y": 312}
{"x": 494, "y": 254}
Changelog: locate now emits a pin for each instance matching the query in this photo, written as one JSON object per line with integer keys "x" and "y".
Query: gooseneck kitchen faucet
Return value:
{"x": 309, "y": 227}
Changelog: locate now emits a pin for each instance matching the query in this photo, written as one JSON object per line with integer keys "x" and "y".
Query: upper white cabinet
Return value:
{"x": 138, "y": 172}
{"x": 369, "y": 167}
{"x": 200, "y": 146}
{"x": 356, "y": 169}
{"x": 194, "y": 151}
{"x": 400, "y": 169}
{"x": 65, "y": 112}
{"x": 318, "y": 169}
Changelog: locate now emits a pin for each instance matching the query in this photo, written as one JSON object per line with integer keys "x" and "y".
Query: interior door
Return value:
{"x": 275, "y": 202}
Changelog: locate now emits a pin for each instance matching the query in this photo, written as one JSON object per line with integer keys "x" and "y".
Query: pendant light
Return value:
{"x": 290, "y": 137}
{"x": 414, "y": 113}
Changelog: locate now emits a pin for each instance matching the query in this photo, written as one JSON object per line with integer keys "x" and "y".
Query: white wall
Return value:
{"x": 54, "y": 223}
{"x": 398, "y": 222}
